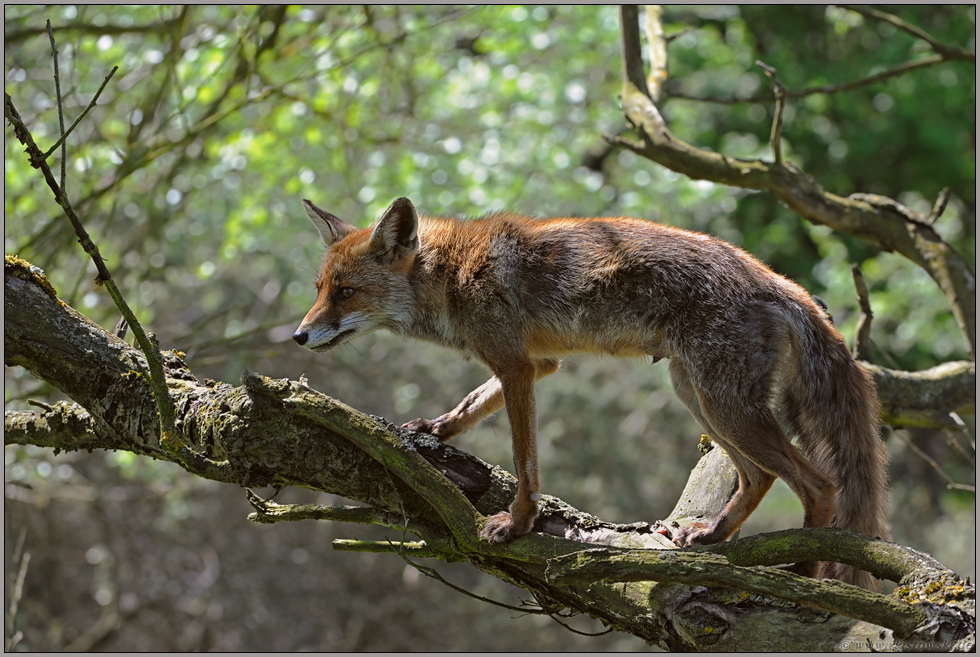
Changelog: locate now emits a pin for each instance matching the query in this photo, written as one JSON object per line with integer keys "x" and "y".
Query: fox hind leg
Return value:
{"x": 753, "y": 484}
{"x": 752, "y": 437}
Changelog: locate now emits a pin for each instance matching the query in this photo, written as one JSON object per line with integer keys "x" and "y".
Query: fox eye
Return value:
{"x": 346, "y": 292}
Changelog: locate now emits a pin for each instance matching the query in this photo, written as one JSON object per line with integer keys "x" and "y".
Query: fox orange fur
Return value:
{"x": 518, "y": 294}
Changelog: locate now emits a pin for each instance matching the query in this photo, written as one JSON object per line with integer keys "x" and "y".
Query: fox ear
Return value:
{"x": 331, "y": 229}
{"x": 397, "y": 231}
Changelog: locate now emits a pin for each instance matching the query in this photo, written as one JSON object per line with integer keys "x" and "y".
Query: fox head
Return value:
{"x": 363, "y": 283}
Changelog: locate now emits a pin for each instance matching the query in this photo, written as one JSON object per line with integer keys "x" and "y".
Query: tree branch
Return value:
{"x": 657, "y": 49}
{"x": 862, "y": 335}
{"x": 268, "y": 512}
{"x": 939, "y": 207}
{"x": 779, "y": 90}
{"x": 943, "y": 54}
{"x": 16, "y": 36}
{"x": 681, "y": 566}
{"x": 926, "y": 398}
{"x": 61, "y": 109}
{"x": 895, "y": 71}
{"x": 62, "y": 426}
{"x": 632, "y": 50}
{"x": 950, "y": 482}
{"x": 65, "y": 133}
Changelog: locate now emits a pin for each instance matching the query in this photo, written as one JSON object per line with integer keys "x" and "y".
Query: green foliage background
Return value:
{"x": 189, "y": 174}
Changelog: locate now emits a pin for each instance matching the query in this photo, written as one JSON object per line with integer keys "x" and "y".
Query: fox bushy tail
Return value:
{"x": 833, "y": 408}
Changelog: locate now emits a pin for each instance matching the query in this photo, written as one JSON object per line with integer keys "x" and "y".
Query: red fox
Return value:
{"x": 518, "y": 294}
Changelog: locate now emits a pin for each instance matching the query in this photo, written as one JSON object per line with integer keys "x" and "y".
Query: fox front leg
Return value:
{"x": 513, "y": 385}
{"x": 517, "y": 382}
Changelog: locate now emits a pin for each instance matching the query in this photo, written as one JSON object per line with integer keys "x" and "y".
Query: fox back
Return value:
{"x": 553, "y": 285}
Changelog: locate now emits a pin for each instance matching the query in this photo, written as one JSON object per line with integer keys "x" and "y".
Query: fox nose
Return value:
{"x": 301, "y": 337}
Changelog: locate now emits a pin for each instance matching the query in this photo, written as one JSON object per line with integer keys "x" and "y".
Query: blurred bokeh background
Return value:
{"x": 189, "y": 174}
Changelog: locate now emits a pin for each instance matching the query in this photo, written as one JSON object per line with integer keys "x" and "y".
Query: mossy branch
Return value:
{"x": 880, "y": 558}
{"x": 926, "y": 398}
{"x": 693, "y": 567}
{"x": 62, "y": 424}
{"x": 268, "y": 512}
{"x": 408, "y": 548}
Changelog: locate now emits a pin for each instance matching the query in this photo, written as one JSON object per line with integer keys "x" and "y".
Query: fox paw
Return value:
{"x": 438, "y": 427}
{"x": 501, "y": 528}
{"x": 697, "y": 533}
{"x": 422, "y": 425}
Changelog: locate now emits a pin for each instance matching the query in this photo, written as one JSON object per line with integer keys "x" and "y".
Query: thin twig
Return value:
{"x": 829, "y": 88}
{"x": 669, "y": 38}
{"x": 61, "y": 109}
{"x": 779, "y": 89}
{"x": 81, "y": 116}
{"x": 554, "y": 617}
{"x": 953, "y": 440}
{"x": 17, "y": 593}
{"x": 19, "y": 548}
{"x": 948, "y": 52}
{"x": 943, "y": 53}
{"x": 862, "y": 337}
{"x": 939, "y": 206}
{"x": 121, "y": 328}
{"x": 434, "y": 574}
{"x": 950, "y": 482}
{"x": 16, "y": 36}
{"x": 871, "y": 79}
